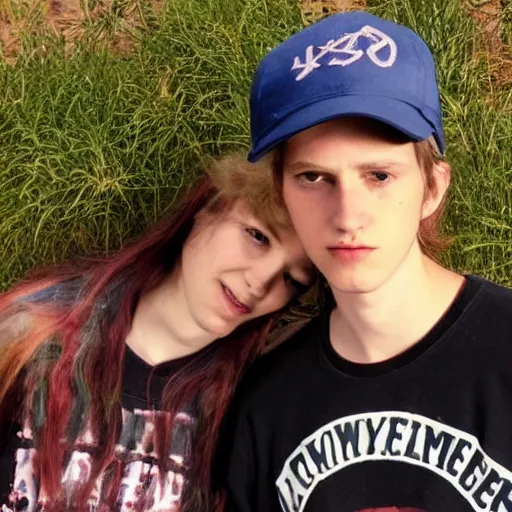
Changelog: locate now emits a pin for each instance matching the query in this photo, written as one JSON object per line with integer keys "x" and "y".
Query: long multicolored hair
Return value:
{"x": 62, "y": 344}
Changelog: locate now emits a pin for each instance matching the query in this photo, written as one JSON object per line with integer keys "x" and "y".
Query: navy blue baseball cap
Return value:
{"x": 348, "y": 64}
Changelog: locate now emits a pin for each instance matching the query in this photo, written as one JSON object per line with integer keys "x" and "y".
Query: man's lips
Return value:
{"x": 349, "y": 247}
{"x": 347, "y": 252}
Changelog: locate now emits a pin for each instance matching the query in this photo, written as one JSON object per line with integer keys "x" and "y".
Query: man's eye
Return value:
{"x": 381, "y": 176}
{"x": 310, "y": 177}
{"x": 257, "y": 236}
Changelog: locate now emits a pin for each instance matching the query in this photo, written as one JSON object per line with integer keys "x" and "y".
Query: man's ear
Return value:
{"x": 442, "y": 173}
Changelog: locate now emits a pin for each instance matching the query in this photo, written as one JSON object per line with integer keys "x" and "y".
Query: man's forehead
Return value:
{"x": 325, "y": 148}
{"x": 363, "y": 126}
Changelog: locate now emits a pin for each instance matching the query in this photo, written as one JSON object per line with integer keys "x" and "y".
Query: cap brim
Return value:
{"x": 395, "y": 113}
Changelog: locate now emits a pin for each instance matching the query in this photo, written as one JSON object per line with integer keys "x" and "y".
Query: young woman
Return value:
{"x": 115, "y": 375}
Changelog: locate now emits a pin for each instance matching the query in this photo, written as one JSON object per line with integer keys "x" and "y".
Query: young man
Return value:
{"x": 399, "y": 397}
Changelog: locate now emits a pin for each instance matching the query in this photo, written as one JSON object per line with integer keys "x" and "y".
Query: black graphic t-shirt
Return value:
{"x": 427, "y": 431}
{"x": 142, "y": 487}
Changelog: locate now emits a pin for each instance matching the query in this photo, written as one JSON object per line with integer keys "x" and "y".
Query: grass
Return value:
{"x": 95, "y": 146}
{"x": 96, "y": 142}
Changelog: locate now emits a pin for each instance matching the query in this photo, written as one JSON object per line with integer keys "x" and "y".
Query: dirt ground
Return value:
{"x": 313, "y": 9}
{"x": 485, "y": 12}
{"x": 66, "y": 17}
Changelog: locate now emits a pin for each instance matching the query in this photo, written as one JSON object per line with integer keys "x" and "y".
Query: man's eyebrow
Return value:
{"x": 303, "y": 165}
{"x": 380, "y": 164}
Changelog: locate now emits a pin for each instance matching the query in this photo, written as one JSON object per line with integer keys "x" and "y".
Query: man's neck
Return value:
{"x": 376, "y": 326}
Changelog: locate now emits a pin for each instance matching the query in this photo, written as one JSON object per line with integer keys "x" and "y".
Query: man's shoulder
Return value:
{"x": 280, "y": 367}
{"x": 488, "y": 319}
{"x": 495, "y": 299}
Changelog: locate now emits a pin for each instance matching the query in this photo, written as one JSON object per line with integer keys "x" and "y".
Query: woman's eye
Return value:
{"x": 257, "y": 236}
{"x": 299, "y": 286}
{"x": 380, "y": 176}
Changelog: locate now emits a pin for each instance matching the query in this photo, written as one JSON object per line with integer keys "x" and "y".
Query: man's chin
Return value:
{"x": 354, "y": 285}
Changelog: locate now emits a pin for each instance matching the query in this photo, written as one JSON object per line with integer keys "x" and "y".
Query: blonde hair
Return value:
{"x": 236, "y": 178}
{"x": 433, "y": 242}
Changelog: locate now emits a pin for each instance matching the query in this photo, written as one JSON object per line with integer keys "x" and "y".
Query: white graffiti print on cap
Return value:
{"x": 347, "y": 44}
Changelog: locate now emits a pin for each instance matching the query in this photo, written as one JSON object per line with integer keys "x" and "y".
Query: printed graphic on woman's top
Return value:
{"x": 141, "y": 487}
